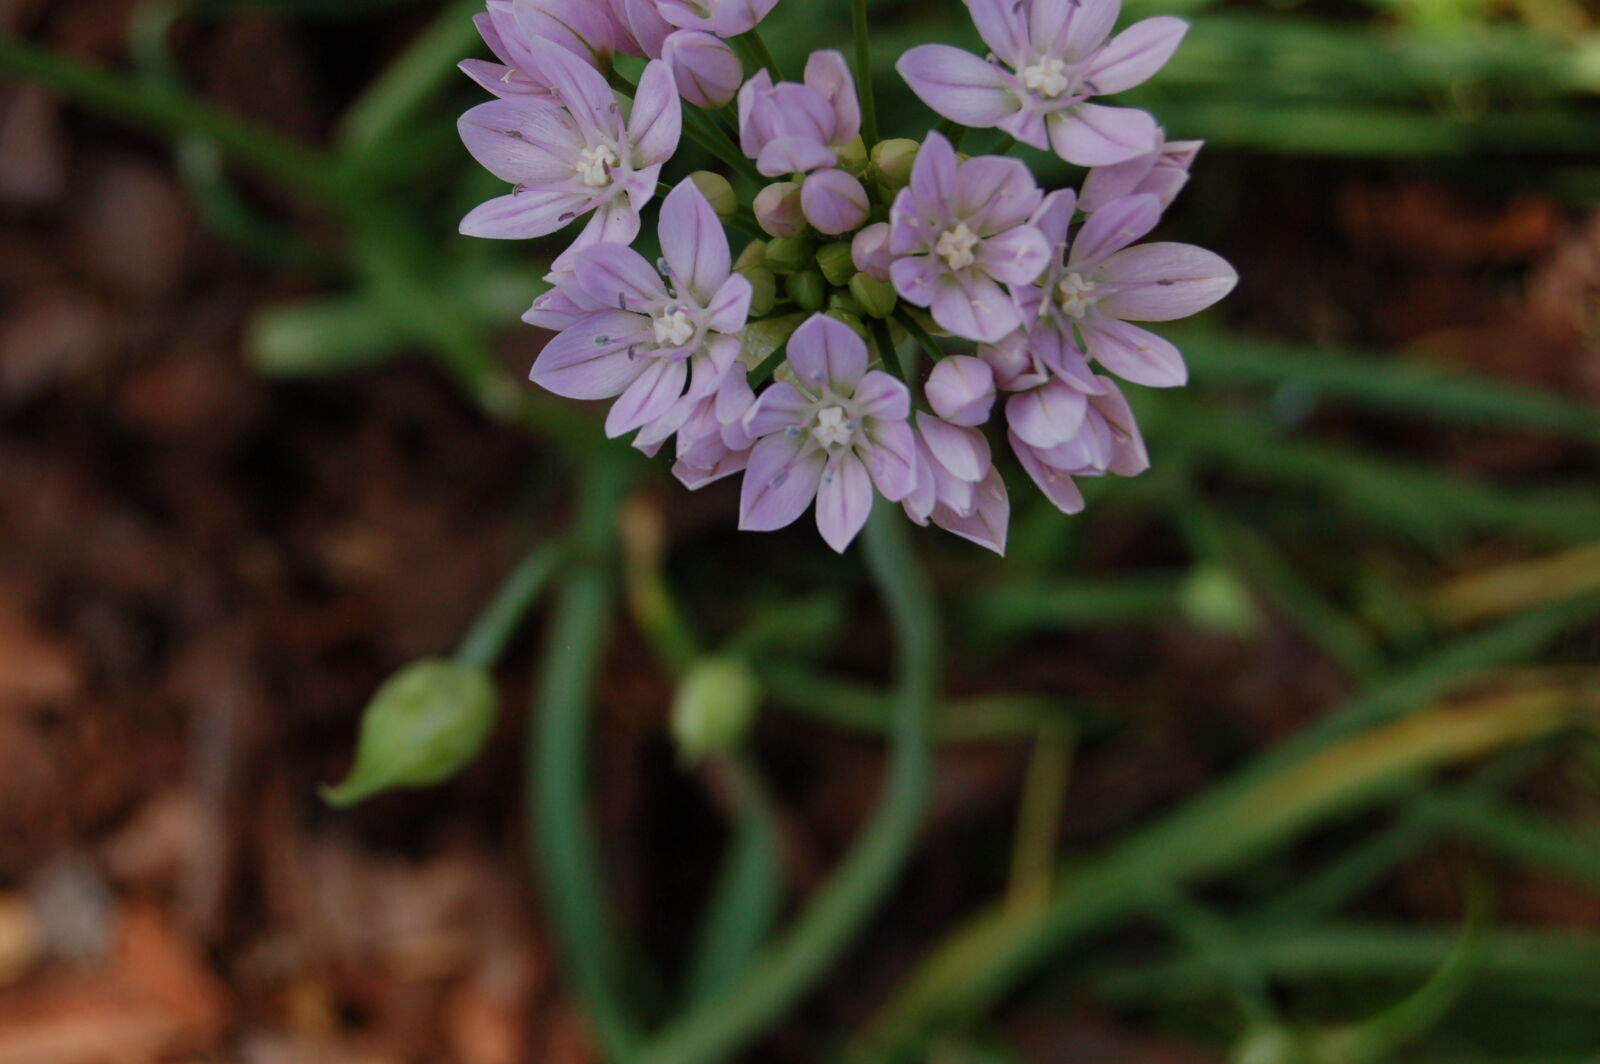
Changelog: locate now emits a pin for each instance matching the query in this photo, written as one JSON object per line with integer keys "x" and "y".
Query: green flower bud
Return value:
{"x": 853, "y": 157}
{"x": 808, "y": 290}
{"x": 422, "y": 727}
{"x": 845, "y": 302}
{"x": 714, "y": 707}
{"x": 718, "y": 192}
{"x": 763, "y": 290}
{"x": 892, "y": 161}
{"x": 851, "y": 320}
{"x": 837, "y": 263}
{"x": 1216, "y": 599}
{"x": 1268, "y": 1044}
{"x": 878, "y": 299}
{"x": 754, "y": 254}
{"x": 789, "y": 254}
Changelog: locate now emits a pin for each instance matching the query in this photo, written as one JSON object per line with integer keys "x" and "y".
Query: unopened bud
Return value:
{"x": 892, "y": 161}
{"x": 788, "y": 254}
{"x": 877, "y": 298}
{"x": 834, "y": 202}
{"x": 718, "y": 192}
{"x": 714, "y": 708}
{"x": 851, "y": 320}
{"x": 808, "y": 290}
{"x": 961, "y": 390}
{"x": 754, "y": 254}
{"x": 846, "y": 302}
{"x": 763, "y": 290}
{"x": 870, "y": 250}
{"x": 778, "y": 210}
{"x": 836, "y": 264}
{"x": 853, "y": 157}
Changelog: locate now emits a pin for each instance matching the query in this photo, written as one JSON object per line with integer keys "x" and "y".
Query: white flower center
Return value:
{"x": 956, "y": 247}
{"x": 1075, "y": 295}
{"x": 1047, "y": 77}
{"x": 833, "y": 427}
{"x": 673, "y": 328}
{"x": 594, "y": 165}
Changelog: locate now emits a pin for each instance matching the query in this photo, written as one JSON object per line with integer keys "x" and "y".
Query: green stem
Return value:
{"x": 705, "y": 133}
{"x": 763, "y": 54}
{"x": 792, "y": 965}
{"x": 384, "y": 107}
{"x": 928, "y": 344}
{"x": 901, "y": 365}
{"x": 1039, "y": 810}
{"x": 869, "y": 103}
{"x": 954, "y": 131}
{"x": 486, "y": 640}
{"x": 555, "y": 784}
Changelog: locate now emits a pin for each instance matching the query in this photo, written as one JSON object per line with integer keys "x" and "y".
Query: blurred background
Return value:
{"x": 1307, "y": 711}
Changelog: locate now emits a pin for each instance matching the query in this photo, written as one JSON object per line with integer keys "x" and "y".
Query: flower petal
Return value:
{"x": 1164, "y": 281}
{"x": 581, "y": 88}
{"x": 694, "y": 243}
{"x": 993, "y": 194}
{"x": 1056, "y": 485}
{"x": 590, "y": 360}
{"x": 526, "y": 140}
{"x": 834, "y": 202}
{"x": 729, "y": 308}
{"x": 1054, "y": 218}
{"x": 892, "y": 458}
{"x": 1133, "y": 56}
{"x": 779, "y": 482}
{"x": 988, "y": 519}
{"x": 881, "y": 396}
{"x": 974, "y": 306}
{"x": 1112, "y": 228}
{"x": 649, "y": 396}
{"x": 524, "y": 215}
{"x": 656, "y": 124}
{"x": 708, "y": 72}
{"x": 1047, "y": 416}
{"x": 1002, "y": 29}
{"x": 829, "y": 74}
{"x": 963, "y": 452}
{"x": 958, "y": 85}
{"x": 794, "y": 155}
{"x": 844, "y": 501}
{"x": 827, "y": 353}
{"x": 1134, "y": 354}
{"x": 617, "y": 276}
{"x": 779, "y": 408}
{"x": 1093, "y": 134}
{"x": 1016, "y": 257}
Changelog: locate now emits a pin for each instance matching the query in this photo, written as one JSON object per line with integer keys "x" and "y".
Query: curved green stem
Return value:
{"x": 486, "y": 640}
{"x": 719, "y": 1025}
{"x": 554, "y": 790}
{"x": 869, "y": 103}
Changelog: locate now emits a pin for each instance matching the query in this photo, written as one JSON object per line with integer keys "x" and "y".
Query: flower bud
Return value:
{"x": 778, "y": 210}
{"x": 422, "y": 727}
{"x": 714, "y": 707}
{"x": 754, "y": 254}
{"x": 706, "y": 69}
{"x": 851, "y": 320}
{"x": 788, "y": 254}
{"x": 835, "y": 262}
{"x": 834, "y": 202}
{"x": 763, "y": 289}
{"x": 1214, "y": 598}
{"x": 877, "y": 298}
{"x": 718, "y": 192}
{"x": 892, "y": 161}
{"x": 870, "y": 250}
{"x": 808, "y": 290}
{"x": 961, "y": 390}
{"x": 853, "y": 157}
{"x": 846, "y": 302}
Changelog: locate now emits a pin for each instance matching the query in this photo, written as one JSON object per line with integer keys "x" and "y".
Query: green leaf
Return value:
{"x": 422, "y": 727}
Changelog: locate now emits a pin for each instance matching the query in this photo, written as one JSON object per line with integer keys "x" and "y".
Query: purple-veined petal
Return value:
{"x": 1055, "y": 346}
{"x": 962, "y": 451}
{"x": 1017, "y": 256}
{"x": 707, "y": 71}
{"x": 794, "y": 155}
{"x": 1106, "y": 184}
{"x": 1048, "y": 415}
{"x": 1087, "y": 454}
{"x": 734, "y": 17}
{"x": 1028, "y": 127}
{"x": 917, "y": 278}
{"x": 958, "y": 85}
{"x": 779, "y": 408}
{"x": 779, "y": 482}
{"x": 975, "y": 307}
{"x": 526, "y": 141}
{"x": 616, "y": 221}
{"x": 755, "y": 119}
{"x": 646, "y": 25}
{"x": 924, "y": 495}
{"x": 869, "y": 250}
{"x": 1054, "y": 218}
{"x": 524, "y": 215}
{"x": 582, "y": 89}
{"x": 1088, "y": 26}
{"x": 713, "y": 362}
{"x": 1134, "y": 354}
{"x": 933, "y": 185}
{"x": 1056, "y": 485}
{"x": 1001, "y": 26}
{"x": 1164, "y": 281}
{"x": 988, "y": 519}
{"x": 891, "y": 457}
{"x": 1112, "y": 228}
{"x": 649, "y": 396}
{"x": 591, "y": 360}
{"x": 827, "y": 353}
{"x": 1130, "y": 457}
{"x": 1093, "y": 134}
{"x": 844, "y": 500}
{"x": 994, "y": 194}
{"x": 1133, "y": 56}
{"x": 693, "y": 242}
{"x": 729, "y": 308}
{"x": 834, "y": 202}
{"x": 582, "y": 28}
{"x": 619, "y": 277}
{"x": 496, "y": 78}
{"x": 881, "y": 396}
{"x": 829, "y": 74}
{"x": 656, "y": 124}
{"x": 961, "y": 390}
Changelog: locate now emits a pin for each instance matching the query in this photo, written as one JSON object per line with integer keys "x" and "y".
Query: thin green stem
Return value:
{"x": 902, "y": 365}
{"x": 1039, "y": 810}
{"x": 955, "y": 131}
{"x": 406, "y": 84}
{"x": 869, "y": 103}
{"x": 555, "y": 783}
{"x": 762, "y": 54}
{"x": 704, "y": 132}
{"x": 928, "y": 344}
{"x": 489, "y": 635}
{"x": 719, "y": 1025}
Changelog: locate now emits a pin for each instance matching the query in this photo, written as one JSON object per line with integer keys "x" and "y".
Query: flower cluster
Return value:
{"x": 800, "y": 361}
